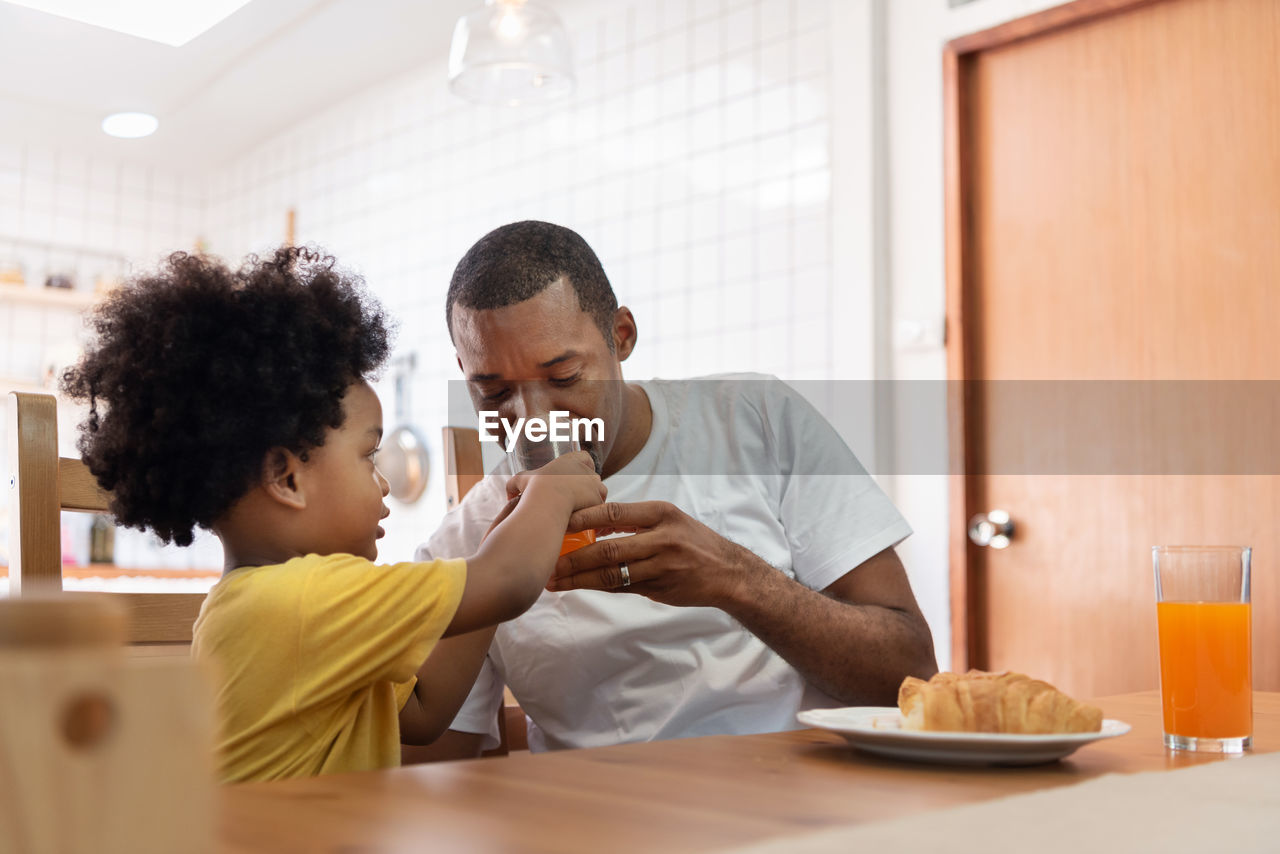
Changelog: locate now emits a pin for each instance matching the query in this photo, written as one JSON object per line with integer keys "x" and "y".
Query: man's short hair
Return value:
{"x": 517, "y": 262}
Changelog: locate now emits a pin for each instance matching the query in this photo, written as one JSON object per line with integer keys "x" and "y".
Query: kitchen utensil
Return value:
{"x": 404, "y": 460}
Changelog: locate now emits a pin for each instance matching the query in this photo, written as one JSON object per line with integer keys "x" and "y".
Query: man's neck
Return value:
{"x": 637, "y": 423}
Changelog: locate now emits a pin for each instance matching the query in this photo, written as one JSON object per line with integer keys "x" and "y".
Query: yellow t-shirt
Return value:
{"x": 316, "y": 658}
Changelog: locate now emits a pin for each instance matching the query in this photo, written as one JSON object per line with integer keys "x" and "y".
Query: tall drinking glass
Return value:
{"x": 531, "y": 454}
{"x": 1204, "y": 619}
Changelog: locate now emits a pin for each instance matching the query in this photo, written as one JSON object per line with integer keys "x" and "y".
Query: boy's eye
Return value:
{"x": 373, "y": 455}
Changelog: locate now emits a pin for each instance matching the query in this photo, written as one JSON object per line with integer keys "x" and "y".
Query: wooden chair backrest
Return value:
{"x": 45, "y": 485}
{"x": 463, "y": 463}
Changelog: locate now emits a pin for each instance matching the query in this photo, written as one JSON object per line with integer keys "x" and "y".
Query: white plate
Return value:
{"x": 878, "y": 729}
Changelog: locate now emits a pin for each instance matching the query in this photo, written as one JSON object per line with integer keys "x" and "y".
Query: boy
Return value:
{"x": 238, "y": 402}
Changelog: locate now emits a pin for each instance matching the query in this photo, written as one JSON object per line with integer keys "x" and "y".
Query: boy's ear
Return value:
{"x": 280, "y": 479}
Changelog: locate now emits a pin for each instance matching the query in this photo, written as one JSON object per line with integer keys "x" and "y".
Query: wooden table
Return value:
{"x": 685, "y": 795}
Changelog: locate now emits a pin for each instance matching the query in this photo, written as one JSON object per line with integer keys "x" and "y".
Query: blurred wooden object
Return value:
{"x": 99, "y": 752}
{"x": 45, "y": 485}
{"x": 463, "y": 463}
{"x": 511, "y": 720}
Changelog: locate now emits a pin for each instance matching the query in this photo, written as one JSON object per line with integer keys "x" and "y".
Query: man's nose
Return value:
{"x": 531, "y": 401}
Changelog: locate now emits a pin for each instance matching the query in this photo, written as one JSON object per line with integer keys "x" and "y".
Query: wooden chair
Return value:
{"x": 463, "y": 463}
{"x": 45, "y": 484}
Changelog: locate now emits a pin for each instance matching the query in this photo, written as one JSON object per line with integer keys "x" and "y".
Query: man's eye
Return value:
{"x": 489, "y": 392}
{"x": 565, "y": 381}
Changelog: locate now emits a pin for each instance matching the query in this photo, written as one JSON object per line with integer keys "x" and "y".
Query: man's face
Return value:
{"x": 541, "y": 355}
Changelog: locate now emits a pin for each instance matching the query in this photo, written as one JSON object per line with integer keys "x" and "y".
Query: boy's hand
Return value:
{"x": 572, "y": 476}
{"x": 503, "y": 514}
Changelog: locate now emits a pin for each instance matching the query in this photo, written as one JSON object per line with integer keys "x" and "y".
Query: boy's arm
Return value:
{"x": 515, "y": 561}
{"x": 504, "y": 578}
{"x": 444, "y": 680}
{"x": 451, "y": 746}
{"x": 459, "y": 745}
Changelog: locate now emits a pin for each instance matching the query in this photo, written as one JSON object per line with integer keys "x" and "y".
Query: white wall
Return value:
{"x": 90, "y": 218}
{"x": 917, "y": 31}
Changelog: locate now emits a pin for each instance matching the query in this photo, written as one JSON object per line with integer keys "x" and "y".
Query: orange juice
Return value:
{"x": 1206, "y": 680}
{"x": 578, "y": 539}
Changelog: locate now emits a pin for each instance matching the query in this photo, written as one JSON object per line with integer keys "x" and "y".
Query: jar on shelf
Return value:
{"x": 102, "y": 540}
{"x": 105, "y": 283}
{"x": 11, "y": 272}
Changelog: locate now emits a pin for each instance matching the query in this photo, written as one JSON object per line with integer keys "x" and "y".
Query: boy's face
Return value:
{"x": 540, "y": 355}
{"x": 345, "y": 489}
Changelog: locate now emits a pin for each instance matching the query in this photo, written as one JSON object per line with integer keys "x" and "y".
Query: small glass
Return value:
{"x": 529, "y": 454}
{"x": 1204, "y": 619}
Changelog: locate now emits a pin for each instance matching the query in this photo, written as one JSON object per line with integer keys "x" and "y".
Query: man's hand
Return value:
{"x": 672, "y": 558}
{"x": 854, "y": 640}
{"x": 502, "y": 514}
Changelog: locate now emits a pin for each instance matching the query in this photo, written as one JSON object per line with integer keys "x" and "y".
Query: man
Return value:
{"x": 760, "y": 578}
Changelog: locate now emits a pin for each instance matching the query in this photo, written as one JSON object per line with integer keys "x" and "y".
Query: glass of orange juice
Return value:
{"x": 530, "y": 454}
{"x": 1204, "y": 621}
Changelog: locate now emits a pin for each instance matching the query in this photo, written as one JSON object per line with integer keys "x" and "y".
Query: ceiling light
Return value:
{"x": 510, "y": 52}
{"x": 130, "y": 125}
{"x": 164, "y": 21}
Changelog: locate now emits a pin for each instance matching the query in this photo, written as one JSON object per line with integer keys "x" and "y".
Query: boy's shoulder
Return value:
{"x": 286, "y": 578}
{"x": 719, "y": 390}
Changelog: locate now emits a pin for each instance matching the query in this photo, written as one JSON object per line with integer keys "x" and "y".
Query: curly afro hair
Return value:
{"x": 197, "y": 371}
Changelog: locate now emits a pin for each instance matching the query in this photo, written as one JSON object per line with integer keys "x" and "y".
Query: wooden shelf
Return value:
{"x": 107, "y": 570}
{"x": 77, "y": 300}
{"x": 24, "y": 384}
{"x": 13, "y": 242}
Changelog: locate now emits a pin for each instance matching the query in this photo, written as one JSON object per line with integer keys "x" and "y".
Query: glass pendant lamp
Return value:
{"x": 510, "y": 52}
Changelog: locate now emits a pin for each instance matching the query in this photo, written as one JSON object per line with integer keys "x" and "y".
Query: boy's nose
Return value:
{"x": 383, "y": 483}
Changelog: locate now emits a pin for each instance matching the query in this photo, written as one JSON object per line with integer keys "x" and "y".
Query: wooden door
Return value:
{"x": 1113, "y": 178}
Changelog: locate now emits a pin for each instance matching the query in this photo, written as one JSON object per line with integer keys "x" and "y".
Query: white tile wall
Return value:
{"x": 65, "y": 213}
{"x": 694, "y": 157}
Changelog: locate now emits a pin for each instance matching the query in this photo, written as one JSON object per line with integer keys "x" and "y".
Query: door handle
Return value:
{"x": 993, "y": 529}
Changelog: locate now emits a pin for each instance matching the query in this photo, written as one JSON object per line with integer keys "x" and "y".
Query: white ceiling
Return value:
{"x": 267, "y": 65}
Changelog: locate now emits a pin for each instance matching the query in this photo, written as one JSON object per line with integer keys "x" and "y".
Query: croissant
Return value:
{"x": 992, "y": 702}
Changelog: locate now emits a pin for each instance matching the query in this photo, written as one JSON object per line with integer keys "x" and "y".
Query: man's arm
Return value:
{"x": 856, "y": 640}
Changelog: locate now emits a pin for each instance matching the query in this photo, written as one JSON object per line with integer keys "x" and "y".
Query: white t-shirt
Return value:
{"x": 750, "y": 458}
